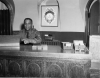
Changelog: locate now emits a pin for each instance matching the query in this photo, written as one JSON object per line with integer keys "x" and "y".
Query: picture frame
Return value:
{"x": 49, "y": 16}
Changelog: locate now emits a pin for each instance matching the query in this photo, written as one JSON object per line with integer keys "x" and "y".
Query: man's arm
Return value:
{"x": 37, "y": 38}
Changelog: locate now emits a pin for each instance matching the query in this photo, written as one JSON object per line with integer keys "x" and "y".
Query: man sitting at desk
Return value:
{"x": 29, "y": 34}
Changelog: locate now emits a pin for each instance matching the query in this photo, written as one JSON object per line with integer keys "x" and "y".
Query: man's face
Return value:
{"x": 28, "y": 24}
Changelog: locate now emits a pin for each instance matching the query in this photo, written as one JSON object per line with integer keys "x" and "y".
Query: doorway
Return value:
{"x": 91, "y": 18}
{"x": 94, "y": 18}
{"x": 7, "y": 11}
{"x": 4, "y": 19}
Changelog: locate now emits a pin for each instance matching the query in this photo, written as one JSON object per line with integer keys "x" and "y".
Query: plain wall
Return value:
{"x": 72, "y": 15}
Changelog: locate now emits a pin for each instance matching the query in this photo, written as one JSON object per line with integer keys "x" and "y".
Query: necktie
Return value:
{"x": 27, "y": 34}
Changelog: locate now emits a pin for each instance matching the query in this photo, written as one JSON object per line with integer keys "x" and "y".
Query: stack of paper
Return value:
{"x": 40, "y": 47}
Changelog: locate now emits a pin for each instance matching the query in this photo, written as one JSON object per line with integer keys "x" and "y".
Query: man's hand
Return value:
{"x": 26, "y": 41}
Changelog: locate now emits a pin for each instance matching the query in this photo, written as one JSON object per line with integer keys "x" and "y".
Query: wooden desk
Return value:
{"x": 43, "y": 64}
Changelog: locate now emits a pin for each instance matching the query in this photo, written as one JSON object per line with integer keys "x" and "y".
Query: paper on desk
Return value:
{"x": 45, "y": 47}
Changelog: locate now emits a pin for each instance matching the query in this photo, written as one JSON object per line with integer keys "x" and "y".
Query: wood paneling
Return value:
{"x": 24, "y": 66}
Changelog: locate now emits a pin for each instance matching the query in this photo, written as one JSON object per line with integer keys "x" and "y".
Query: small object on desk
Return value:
{"x": 45, "y": 47}
{"x": 40, "y": 47}
{"x": 37, "y": 47}
{"x": 67, "y": 45}
{"x": 34, "y": 47}
{"x": 79, "y": 46}
{"x": 48, "y": 37}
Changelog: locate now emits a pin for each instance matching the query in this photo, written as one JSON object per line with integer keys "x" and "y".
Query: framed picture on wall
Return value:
{"x": 49, "y": 16}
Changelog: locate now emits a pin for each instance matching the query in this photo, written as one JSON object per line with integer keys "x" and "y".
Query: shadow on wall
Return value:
{"x": 22, "y": 26}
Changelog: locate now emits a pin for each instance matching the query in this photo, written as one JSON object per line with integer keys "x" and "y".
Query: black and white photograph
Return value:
{"x": 50, "y": 38}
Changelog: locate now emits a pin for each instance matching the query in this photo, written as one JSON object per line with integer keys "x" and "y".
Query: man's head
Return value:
{"x": 28, "y": 23}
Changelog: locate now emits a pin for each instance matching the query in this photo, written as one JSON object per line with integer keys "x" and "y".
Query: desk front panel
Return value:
{"x": 37, "y": 64}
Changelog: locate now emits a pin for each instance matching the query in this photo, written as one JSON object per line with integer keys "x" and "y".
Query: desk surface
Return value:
{"x": 53, "y": 51}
